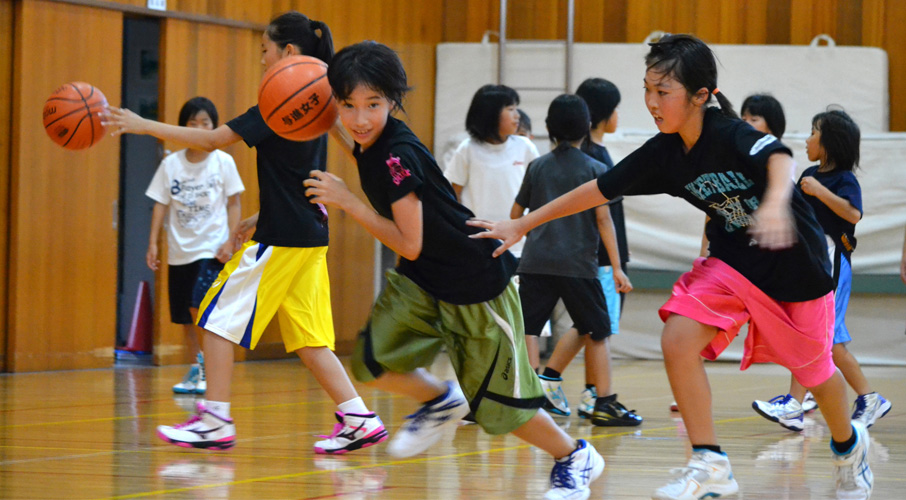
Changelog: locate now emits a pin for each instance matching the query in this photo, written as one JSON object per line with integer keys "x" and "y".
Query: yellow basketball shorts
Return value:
{"x": 261, "y": 280}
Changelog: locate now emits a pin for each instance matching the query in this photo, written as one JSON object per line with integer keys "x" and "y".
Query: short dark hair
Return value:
{"x": 371, "y": 64}
{"x": 767, "y": 107}
{"x": 193, "y": 106}
{"x": 525, "y": 123}
{"x": 567, "y": 119}
{"x": 839, "y": 137}
{"x": 602, "y": 98}
{"x": 483, "y": 118}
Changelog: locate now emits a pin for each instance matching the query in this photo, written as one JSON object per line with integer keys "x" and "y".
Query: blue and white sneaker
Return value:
{"x": 572, "y": 474}
{"x": 194, "y": 382}
{"x": 706, "y": 475}
{"x": 784, "y": 410}
{"x": 808, "y": 403}
{"x": 869, "y": 408}
{"x": 852, "y": 475}
{"x": 587, "y": 402}
{"x": 424, "y": 428}
{"x": 556, "y": 398}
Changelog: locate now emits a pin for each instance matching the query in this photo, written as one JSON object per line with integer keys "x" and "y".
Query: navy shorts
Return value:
{"x": 583, "y": 298}
{"x": 188, "y": 285}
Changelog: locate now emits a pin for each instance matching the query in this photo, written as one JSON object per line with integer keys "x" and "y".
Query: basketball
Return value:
{"x": 71, "y": 115}
{"x": 296, "y": 100}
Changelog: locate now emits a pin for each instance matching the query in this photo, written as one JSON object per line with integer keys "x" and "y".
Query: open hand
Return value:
{"x": 120, "y": 121}
{"x": 507, "y": 231}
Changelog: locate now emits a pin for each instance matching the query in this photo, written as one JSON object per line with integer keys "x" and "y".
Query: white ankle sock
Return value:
{"x": 355, "y": 406}
{"x": 219, "y": 408}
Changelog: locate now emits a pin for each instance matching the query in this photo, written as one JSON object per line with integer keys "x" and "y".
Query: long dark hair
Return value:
{"x": 296, "y": 28}
{"x": 691, "y": 62}
{"x": 839, "y": 137}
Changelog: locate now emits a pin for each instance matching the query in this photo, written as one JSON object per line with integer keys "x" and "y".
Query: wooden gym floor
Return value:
{"x": 91, "y": 435}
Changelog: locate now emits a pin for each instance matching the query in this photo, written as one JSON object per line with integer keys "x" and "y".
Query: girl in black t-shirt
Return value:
{"x": 281, "y": 271}
{"x": 768, "y": 264}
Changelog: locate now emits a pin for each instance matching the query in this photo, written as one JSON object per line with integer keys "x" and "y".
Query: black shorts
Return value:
{"x": 188, "y": 285}
{"x": 583, "y": 298}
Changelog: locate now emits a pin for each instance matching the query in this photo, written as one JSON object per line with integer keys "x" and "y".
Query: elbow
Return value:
{"x": 411, "y": 250}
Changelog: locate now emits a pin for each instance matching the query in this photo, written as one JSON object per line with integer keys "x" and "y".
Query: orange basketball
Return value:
{"x": 295, "y": 98}
{"x": 71, "y": 115}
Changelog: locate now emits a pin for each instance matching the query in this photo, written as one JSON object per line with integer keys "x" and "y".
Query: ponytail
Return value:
{"x": 726, "y": 107}
{"x": 297, "y": 29}
{"x": 324, "y": 48}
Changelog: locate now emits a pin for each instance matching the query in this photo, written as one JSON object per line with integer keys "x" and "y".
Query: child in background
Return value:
{"x": 487, "y": 168}
{"x": 281, "y": 271}
{"x": 764, "y": 113}
{"x": 446, "y": 291}
{"x": 560, "y": 260}
{"x": 768, "y": 264}
{"x": 833, "y": 191}
{"x": 199, "y": 190}
{"x": 525, "y": 125}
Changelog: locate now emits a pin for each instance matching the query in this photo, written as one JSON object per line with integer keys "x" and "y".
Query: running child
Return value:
{"x": 446, "y": 290}
{"x": 281, "y": 271}
{"x": 768, "y": 264}
{"x": 561, "y": 261}
{"x": 833, "y": 191}
{"x": 199, "y": 191}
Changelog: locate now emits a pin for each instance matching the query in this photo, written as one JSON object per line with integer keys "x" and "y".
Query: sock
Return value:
{"x": 603, "y": 400}
{"x": 589, "y": 386}
{"x": 842, "y": 448}
{"x": 550, "y": 373}
{"x": 219, "y": 408}
{"x": 709, "y": 447}
{"x": 355, "y": 406}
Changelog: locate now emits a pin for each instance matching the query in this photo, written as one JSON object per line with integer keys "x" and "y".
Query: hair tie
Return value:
{"x": 715, "y": 91}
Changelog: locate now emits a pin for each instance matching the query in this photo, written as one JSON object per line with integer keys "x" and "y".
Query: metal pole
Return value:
{"x": 570, "y": 28}
{"x": 501, "y": 43}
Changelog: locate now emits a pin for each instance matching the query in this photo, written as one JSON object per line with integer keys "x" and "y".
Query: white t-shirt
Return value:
{"x": 197, "y": 196}
{"x": 490, "y": 176}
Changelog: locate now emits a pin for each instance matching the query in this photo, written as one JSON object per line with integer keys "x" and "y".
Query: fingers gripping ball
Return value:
{"x": 71, "y": 115}
{"x": 295, "y": 98}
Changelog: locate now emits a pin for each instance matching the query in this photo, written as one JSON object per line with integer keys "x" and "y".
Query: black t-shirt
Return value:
{"x": 451, "y": 267}
{"x": 287, "y": 218}
{"x": 600, "y": 153}
{"x": 725, "y": 175}
{"x": 843, "y": 184}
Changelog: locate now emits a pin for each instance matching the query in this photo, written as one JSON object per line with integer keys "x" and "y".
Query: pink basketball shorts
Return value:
{"x": 796, "y": 335}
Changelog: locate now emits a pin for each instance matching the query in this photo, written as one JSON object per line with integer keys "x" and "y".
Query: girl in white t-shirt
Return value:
{"x": 199, "y": 191}
{"x": 487, "y": 168}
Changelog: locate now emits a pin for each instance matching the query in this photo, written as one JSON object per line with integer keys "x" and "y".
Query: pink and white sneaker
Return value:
{"x": 352, "y": 432}
{"x": 203, "y": 430}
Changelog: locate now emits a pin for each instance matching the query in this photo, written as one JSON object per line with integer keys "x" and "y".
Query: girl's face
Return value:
{"x": 508, "y": 123}
{"x": 813, "y": 148}
{"x": 669, "y": 103}
{"x": 364, "y": 115}
{"x": 757, "y": 122}
{"x": 271, "y": 53}
{"x": 201, "y": 119}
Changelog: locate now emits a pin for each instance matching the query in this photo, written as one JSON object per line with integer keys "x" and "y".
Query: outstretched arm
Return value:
{"x": 122, "y": 121}
{"x": 511, "y": 231}
{"x": 403, "y": 234}
{"x": 774, "y": 227}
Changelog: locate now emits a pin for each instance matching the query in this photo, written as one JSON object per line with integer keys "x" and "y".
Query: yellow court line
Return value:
{"x": 392, "y": 463}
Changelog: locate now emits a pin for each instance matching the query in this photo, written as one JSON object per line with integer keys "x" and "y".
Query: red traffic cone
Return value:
{"x": 140, "y": 330}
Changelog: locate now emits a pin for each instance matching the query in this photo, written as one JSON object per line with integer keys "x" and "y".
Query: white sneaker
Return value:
{"x": 784, "y": 410}
{"x": 869, "y": 408}
{"x": 203, "y": 430}
{"x": 189, "y": 383}
{"x": 352, "y": 432}
{"x": 587, "y": 402}
{"x": 852, "y": 475}
{"x": 556, "y": 398}
{"x": 424, "y": 428}
{"x": 707, "y": 475}
{"x": 572, "y": 474}
{"x": 201, "y": 386}
{"x": 808, "y": 403}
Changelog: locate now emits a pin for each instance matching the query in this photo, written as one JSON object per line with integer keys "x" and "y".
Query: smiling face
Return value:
{"x": 364, "y": 115}
{"x": 671, "y": 106}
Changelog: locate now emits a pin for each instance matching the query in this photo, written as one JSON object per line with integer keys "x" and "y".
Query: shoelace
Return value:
{"x": 779, "y": 399}
{"x": 337, "y": 427}
{"x": 683, "y": 473}
{"x": 191, "y": 375}
{"x": 195, "y": 419}
{"x": 561, "y": 476}
{"x": 860, "y": 408}
{"x": 417, "y": 419}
